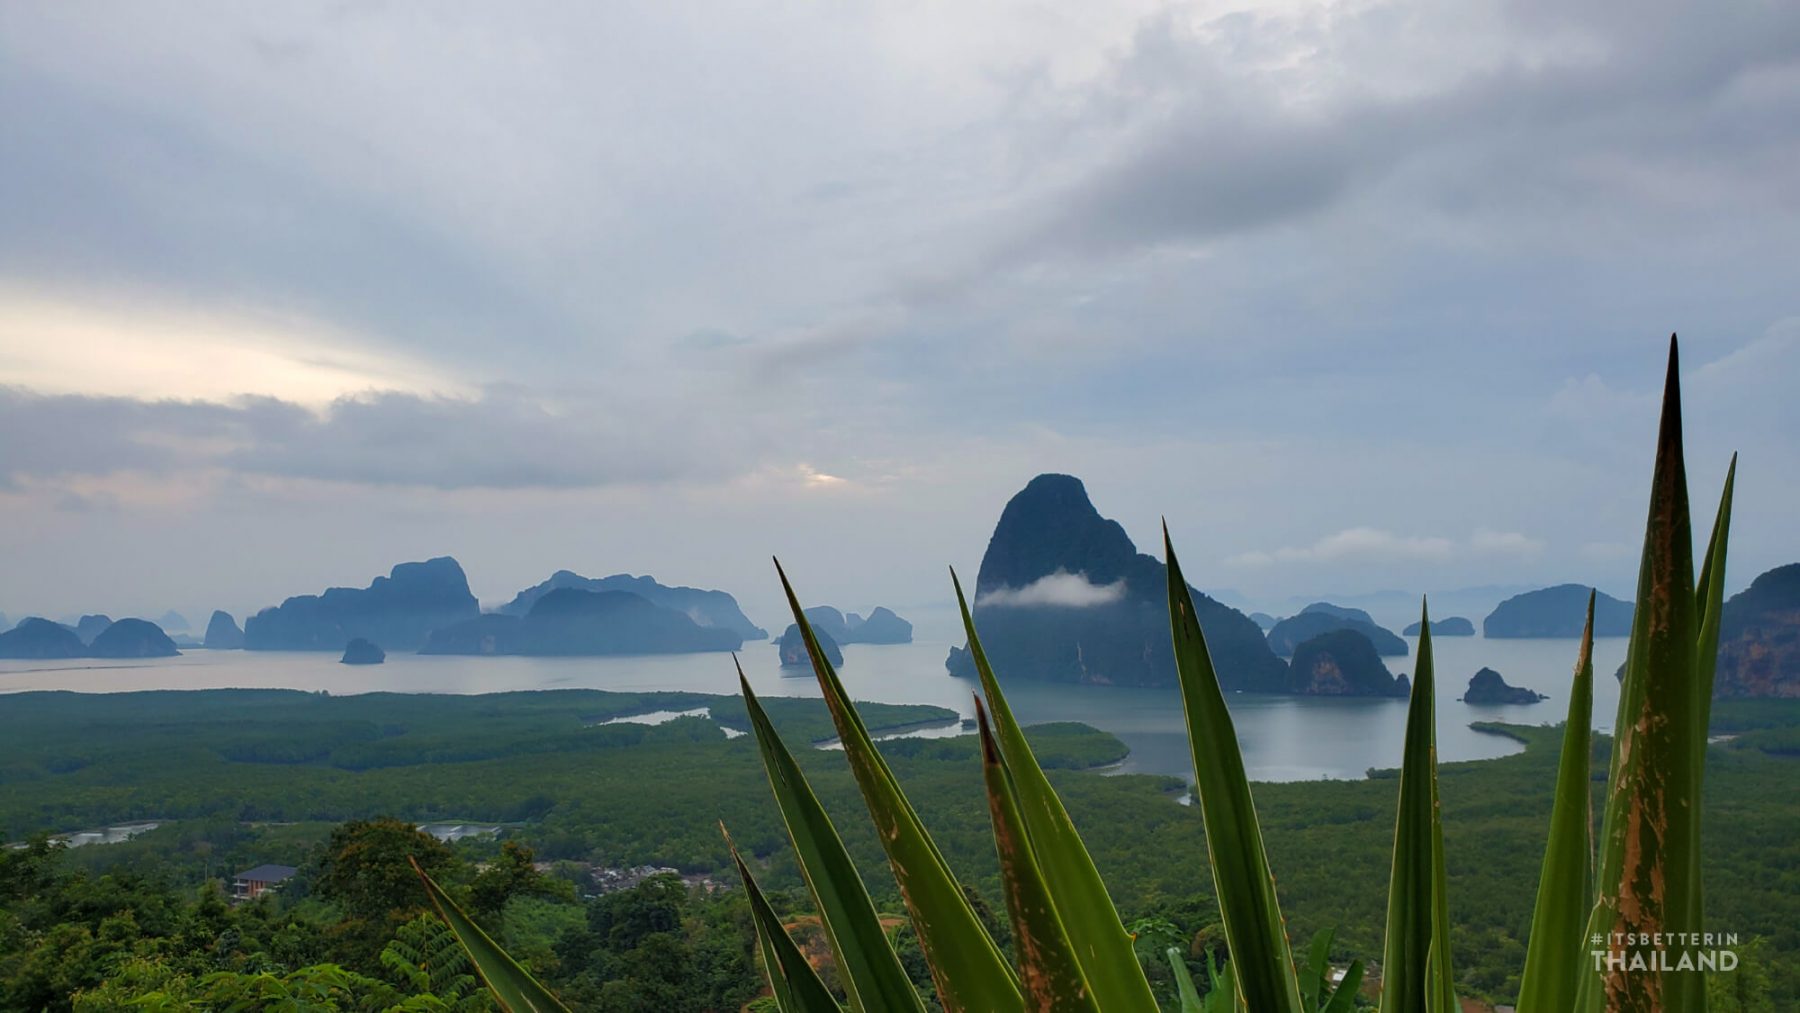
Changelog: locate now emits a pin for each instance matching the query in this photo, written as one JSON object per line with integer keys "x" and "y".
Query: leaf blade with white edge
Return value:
{"x": 1184, "y": 983}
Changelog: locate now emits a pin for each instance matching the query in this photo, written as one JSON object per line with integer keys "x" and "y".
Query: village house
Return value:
{"x": 253, "y": 883}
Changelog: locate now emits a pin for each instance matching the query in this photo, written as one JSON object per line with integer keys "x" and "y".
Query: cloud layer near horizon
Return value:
{"x": 1366, "y": 294}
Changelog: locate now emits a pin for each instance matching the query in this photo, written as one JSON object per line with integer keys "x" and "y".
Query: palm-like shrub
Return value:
{"x": 1073, "y": 953}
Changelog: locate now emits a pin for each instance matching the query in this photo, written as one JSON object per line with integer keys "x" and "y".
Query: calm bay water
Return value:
{"x": 1283, "y": 738}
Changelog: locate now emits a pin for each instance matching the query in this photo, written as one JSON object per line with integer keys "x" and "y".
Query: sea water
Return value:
{"x": 1283, "y": 738}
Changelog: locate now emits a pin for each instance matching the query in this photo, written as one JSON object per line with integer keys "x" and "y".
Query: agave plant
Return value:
{"x": 1071, "y": 950}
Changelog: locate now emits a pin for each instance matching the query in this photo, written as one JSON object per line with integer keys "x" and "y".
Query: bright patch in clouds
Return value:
{"x": 114, "y": 348}
{"x": 1064, "y": 589}
{"x": 817, "y": 479}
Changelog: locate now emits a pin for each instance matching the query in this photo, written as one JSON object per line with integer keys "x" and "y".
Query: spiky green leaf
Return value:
{"x": 1049, "y": 974}
{"x": 1222, "y": 995}
{"x": 970, "y": 972}
{"x": 873, "y": 977}
{"x": 1709, "y": 600}
{"x": 1558, "y": 954}
{"x": 1184, "y": 983}
{"x": 1313, "y": 975}
{"x": 792, "y": 980}
{"x": 513, "y": 987}
{"x": 1649, "y": 866}
{"x": 1415, "y": 967}
{"x": 1343, "y": 998}
{"x": 1086, "y": 910}
{"x": 1262, "y": 962}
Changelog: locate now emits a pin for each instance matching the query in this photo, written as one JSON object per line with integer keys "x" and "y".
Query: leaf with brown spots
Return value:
{"x": 967, "y": 967}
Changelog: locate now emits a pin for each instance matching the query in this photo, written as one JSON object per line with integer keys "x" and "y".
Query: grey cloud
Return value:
{"x": 1362, "y": 246}
{"x": 1208, "y": 179}
{"x": 504, "y": 439}
{"x": 1206, "y": 148}
{"x": 123, "y": 197}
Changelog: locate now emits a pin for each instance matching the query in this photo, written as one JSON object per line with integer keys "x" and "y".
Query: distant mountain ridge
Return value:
{"x": 1286, "y": 636}
{"x": 1064, "y": 596}
{"x": 38, "y": 638}
{"x": 882, "y": 626}
{"x": 705, "y": 607}
{"x": 1449, "y": 626}
{"x": 133, "y": 638}
{"x": 397, "y": 612}
{"x": 41, "y": 639}
{"x": 572, "y": 621}
{"x": 1559, "y": 611}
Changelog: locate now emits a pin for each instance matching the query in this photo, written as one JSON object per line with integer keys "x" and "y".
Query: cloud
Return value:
{"x": 1060, "y": 589}
{"x": 1352, "y": 544}
{"x": 1364, "y": 544}
{"x": 108, "y": 344}
{"x": 501, "y": 439}
{"x": 601, "y": 247}
{"x": 1487, "y": 541}
{"x": 1212, "y": 124}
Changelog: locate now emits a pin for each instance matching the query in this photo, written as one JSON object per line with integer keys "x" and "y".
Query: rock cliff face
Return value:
{"x": 399, "y": 610}
{"x": 40, "y": 639}
{"x": 133, "y": 638}
{"x": 361, "y": 652}
{"x": 1290, "y": 633}
{"x": 1064, "y": 596}
{"x": 1487, "y": 687}
{"x": 1341, "y": 662}
{"x": 491, "y": 633}
{"x": 572, "y": 622}
{"x": 793, "y": 647}
{"x": 1558, "y": 611}
{"x": 706, "y": 608}
{"x": 1449, "y": 626}
{"x": 1759, "y": 638}
{"x": 222, "y": 633}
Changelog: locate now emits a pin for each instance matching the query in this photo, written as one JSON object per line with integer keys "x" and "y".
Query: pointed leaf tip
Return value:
{"x": 1255, "y": 933}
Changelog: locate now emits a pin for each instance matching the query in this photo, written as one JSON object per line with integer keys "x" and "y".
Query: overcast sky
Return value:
{"x": 1359, "y": 295}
